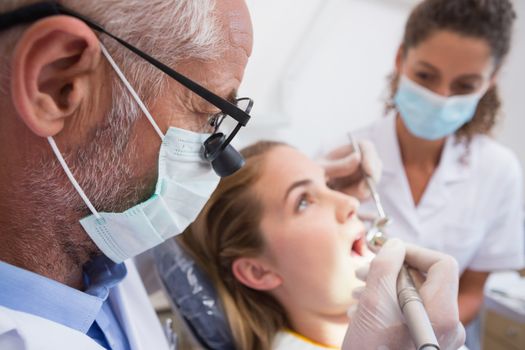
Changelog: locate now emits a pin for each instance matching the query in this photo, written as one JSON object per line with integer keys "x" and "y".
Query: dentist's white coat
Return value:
{"x": 23, "y": 331}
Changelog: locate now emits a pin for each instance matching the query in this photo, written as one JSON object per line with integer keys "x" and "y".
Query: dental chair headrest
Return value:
{"x": 193, "y": 295}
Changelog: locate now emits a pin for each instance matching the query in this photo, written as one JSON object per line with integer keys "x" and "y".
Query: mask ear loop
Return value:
{"x": 61, "y": 159}
{"x": 131, "y": 90}
{"x": 72, "y": 179}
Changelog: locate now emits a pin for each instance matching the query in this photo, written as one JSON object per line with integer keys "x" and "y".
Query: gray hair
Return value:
{"x": 171, "y": 31}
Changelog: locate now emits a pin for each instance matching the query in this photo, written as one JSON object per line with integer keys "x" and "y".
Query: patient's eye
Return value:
{"x": 302, "y": 203}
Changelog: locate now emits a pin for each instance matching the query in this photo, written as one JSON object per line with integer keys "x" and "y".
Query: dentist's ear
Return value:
{"x": 255, "y": 274}
{"x": 50, "y": 73}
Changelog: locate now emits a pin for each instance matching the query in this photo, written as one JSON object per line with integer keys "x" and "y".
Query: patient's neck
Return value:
{"x": 328, "y": 330}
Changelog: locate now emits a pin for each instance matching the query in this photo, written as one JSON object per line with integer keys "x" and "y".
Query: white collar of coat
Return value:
{"x": 455, "y": 164}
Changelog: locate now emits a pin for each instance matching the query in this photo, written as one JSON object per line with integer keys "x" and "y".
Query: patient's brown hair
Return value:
{"x": 226, "y": 229}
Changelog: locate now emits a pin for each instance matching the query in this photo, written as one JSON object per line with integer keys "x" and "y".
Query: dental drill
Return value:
{"x": 408, "y": 297}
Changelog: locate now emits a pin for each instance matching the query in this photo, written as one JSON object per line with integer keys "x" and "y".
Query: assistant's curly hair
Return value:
{"x": 491, "y": 20}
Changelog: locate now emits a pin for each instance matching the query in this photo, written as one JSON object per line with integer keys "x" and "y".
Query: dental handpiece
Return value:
{"x": 408, "y": 297}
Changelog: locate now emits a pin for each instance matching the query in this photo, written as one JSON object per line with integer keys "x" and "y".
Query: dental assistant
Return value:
{"x": 446, "y": 183}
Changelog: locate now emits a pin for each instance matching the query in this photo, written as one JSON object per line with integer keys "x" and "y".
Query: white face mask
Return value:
{"x": 431, "y": 116}
{"x": 185, "y": 182}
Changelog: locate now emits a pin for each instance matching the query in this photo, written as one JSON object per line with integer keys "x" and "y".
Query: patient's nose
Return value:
{"x": 345, "y": 206}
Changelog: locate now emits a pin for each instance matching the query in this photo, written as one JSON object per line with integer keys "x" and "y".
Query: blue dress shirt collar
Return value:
{"x": 29, "y": 292}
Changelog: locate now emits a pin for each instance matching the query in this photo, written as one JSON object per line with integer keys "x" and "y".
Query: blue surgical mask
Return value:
{"x": 431, "y": 116}
{"x": 185, "y": 182}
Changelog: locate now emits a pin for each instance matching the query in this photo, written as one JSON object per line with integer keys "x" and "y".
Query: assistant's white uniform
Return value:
{"x": 472, "y": 208}
{"x": 23, "y": 331}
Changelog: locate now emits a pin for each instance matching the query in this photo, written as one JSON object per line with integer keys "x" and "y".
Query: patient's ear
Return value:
{"x": 51, "y": 69}
{"x": 254, "y": 273}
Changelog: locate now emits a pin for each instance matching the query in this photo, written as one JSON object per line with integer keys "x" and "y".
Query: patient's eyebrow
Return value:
{"x": 295, "y": 185}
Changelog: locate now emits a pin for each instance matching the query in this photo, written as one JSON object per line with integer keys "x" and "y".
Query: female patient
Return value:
{"x": 281, "y": 249}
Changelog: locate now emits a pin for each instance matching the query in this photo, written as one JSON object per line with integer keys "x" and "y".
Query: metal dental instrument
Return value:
{"x": 408, "y": 297}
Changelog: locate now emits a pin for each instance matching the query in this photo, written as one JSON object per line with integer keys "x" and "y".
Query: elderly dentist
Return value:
{"x": 90, "y": 178}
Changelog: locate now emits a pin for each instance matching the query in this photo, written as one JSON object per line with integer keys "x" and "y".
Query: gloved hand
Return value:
{"x": 376, "y": 322}
{"x": 344, "y": 168}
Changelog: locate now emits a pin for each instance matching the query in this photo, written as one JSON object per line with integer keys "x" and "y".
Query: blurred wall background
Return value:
{"x": 319, "y": 68}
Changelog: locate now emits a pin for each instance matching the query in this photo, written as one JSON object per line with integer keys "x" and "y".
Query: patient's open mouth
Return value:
{"x": 358, "y": 246}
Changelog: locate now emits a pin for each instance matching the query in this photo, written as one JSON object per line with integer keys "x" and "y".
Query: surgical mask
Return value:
{"x": 185, "y": 182}
{"x": 431, "y": 116}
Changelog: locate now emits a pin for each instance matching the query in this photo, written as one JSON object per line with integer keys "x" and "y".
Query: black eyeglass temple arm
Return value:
{"x": 41, "y": 10}
{"x": 28, "y": 14}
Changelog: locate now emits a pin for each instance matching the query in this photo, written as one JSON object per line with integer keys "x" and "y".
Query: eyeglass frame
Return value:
{"x": 221, "y": 116}
{"x": 37, "y": 11}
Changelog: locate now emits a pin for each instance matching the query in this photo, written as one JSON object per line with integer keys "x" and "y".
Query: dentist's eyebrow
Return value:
{"x": 232, "y": 96}
{"x": 295, "y": 185}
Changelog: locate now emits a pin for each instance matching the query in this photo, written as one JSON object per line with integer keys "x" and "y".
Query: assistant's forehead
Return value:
{"x": 452, "y": 51}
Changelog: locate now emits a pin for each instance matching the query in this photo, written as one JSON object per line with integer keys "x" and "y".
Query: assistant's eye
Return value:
{"x": 464, "y": 88}
{"x": 424, "y": 76}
